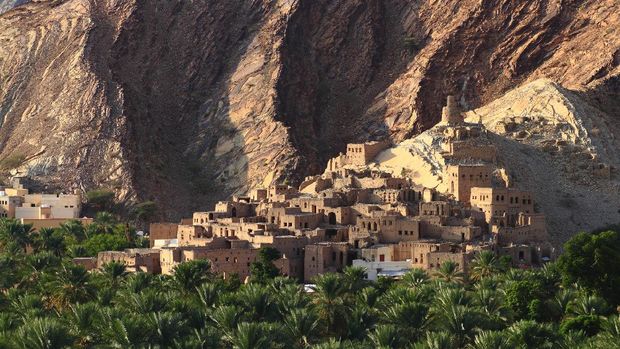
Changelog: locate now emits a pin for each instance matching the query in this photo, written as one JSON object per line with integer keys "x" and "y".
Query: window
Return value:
{"x": 400, "y": 232}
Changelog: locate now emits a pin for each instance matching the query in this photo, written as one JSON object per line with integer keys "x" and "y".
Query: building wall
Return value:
{"x": 89, "y": 263}
{"x": 456, "y": 233}
{"x": 300, "y": 221}
{"x": 323, "y": 258}
{"x": 500, "y": 201}
{"x": 461, "y": 178}
{"x": 144, "y": 260}
{"x": 8, "y": 204}
{"x": 374, "y": 268}
{"x": 468, "y": 150}
{"x": 417, "y": 251}
{"x": 390, "y": 228}
{"x": 530, "y": 228}
{"x": 37, "y": 224}
{"x": 193, "y": 235}
{"x": 162, "y": 231}
{"x": 434, "y": 260}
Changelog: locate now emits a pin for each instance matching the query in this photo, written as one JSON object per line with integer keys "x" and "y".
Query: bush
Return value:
{"x": 593, "y": 261}
{"x": 589, "y": 324}
{"x": 12, "y": 161}
{"x": 145, "y": 211}
{"x": 100, "y": 198}
{"x": 105, "y": 242}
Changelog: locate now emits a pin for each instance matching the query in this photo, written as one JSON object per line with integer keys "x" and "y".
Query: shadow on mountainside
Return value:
{"x": 175, "y": 100}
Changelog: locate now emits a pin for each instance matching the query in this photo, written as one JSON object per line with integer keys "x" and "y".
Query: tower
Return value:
{"x": 450, "y": 113}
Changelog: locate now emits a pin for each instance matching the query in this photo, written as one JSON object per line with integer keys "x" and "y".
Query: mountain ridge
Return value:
{"x": 187, "y": 103}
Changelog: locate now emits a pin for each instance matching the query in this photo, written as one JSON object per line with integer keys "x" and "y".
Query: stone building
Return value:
{"x": 135, "y": 259}
{"x": 325, "y": 257}
{"x": 461, "y": 178}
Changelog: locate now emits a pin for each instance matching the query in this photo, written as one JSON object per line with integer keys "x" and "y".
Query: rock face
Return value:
{"x": 186, "y": 102}
{"x": 6, "y": 5}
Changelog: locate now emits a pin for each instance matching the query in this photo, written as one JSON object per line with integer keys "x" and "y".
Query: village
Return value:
{"x": 351, "y": 215}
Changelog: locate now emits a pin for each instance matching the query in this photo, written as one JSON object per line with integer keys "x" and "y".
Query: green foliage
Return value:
{"x": 593, "y": 261}
{"x": 12, "y": 162}
{"x": 263, "y": 269}
{"x": 588, "y": 324}
{"x": 100, "y": 199}
{"x": 189, "y": 275}
{"x": 105, "y": 242}
{"x": 48, "y": 302}
{"x": 145, "y": 211}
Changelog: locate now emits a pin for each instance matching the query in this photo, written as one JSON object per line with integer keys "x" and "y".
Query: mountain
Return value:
{"x": 6, "y": 5}
{"x": 550, "y": 141}
{"x": 186, "y": 102}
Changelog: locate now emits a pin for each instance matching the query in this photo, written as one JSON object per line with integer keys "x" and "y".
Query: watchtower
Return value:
{"x": 450, "y": 114}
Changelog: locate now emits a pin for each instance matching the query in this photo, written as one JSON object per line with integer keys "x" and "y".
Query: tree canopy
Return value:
{"x": 48, "y": 302}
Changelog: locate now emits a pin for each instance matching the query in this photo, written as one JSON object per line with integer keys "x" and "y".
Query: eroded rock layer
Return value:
{"x": 186, "y": 102}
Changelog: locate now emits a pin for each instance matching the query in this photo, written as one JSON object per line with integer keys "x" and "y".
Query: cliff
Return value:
{"x": 187, "y": 102}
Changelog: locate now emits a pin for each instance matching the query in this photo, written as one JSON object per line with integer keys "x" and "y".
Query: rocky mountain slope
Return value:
{"x": 186, "y": 102}
{"x": 551, "y": 141}
{"x": 6, "y": 5}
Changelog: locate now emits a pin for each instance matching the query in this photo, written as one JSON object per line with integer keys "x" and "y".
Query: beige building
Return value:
{"x": 500, "y": 202}
{"x": 325, "y": 257}
{"x": 162, "y": 231}
{"x": 135, "y": 259}
{"x": 461, "y": 178}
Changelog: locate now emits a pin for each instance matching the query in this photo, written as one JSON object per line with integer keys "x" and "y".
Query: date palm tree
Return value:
{"x": 114, "y": 272}
{"x": 256, "y": 301}
{"x": 126, "y": 332}
{"x": 250, "y": 335}
{"x": 450, "y": 273}
{"x": 485, "y": 264}
{"x": 50, "y": 240}
{"x": 166, "y": 327}
{"x": 490, "y": 340}
{"x": 589, "y": 305}
{"x": 461, "y": 321}
{"x": 71, "y": 285}
{"x": 43, "y": 333}
{"x": 302, "y": 326}
{"x": 529, "y": 334}
{"x": 415, "y": 277}
{"x": 74, "y": 228}
{"x": 12, "y": 231}
{"x": 226, "y": 317}
{"x": 410, "y": 318}
{"x": 436, "y": 340}
{"x": 289, "y": 298}
{"x": 209, "y": 293}
{"x": 329, "y": 301}
{"x": 354, "y": 278}
{"x": 189, "y": 275}
{"x": 82, "y": 320}
{"x": 105, "y": 222}
{"x": 386, "y": 336}
{"x": 145, "y": 302}
{"x": 137, "y": 282}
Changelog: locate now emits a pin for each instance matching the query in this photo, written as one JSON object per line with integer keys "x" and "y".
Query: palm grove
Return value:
{"x": 48, "y": 302}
